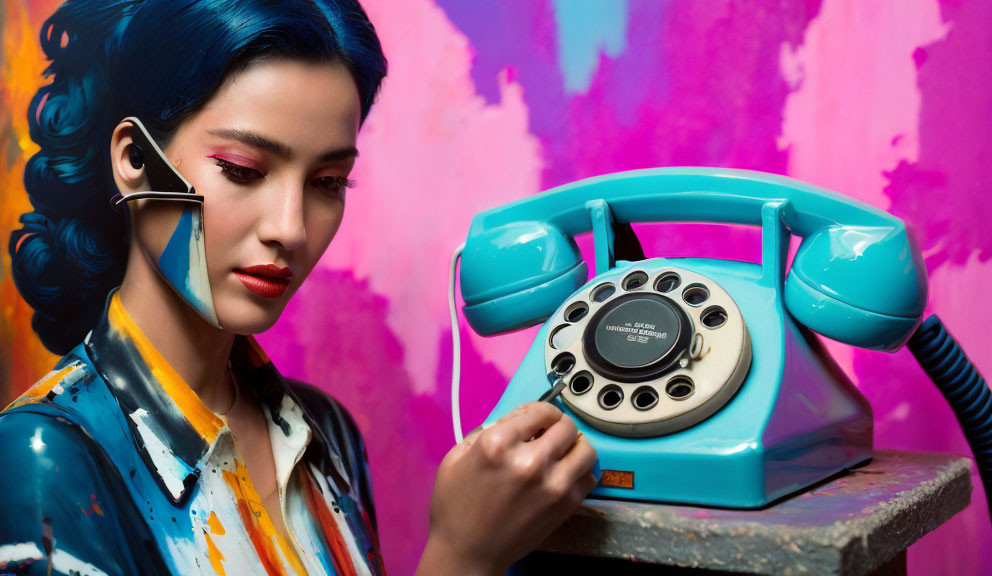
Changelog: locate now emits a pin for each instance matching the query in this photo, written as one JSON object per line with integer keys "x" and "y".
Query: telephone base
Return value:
{"x": 795, "y": 420}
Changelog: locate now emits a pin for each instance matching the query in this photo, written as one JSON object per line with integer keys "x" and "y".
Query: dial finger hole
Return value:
{"x": 714, "y": 317}
{"x": 610, "y": 397}
{"x": 667, "y": 282}
{"x": 696, "y": 348}
{"x": 635, "y": 280}
{"x": 695, "y": 294}
{"x": 581, "y": 383}
{"x": 576, "y": 311}
{"x": 645, "y": 398}
{"x": 564, "y": 336}
{"x": 679, "y": 388}
{"x": 563, "y": 363}
{"x": 603, "y": 291}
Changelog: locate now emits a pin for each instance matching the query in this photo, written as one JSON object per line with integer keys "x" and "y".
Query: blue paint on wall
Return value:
{"x": 587, "y": 28}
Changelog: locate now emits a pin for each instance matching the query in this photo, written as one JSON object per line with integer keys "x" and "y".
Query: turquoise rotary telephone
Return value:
{"x": 697, "y": 380}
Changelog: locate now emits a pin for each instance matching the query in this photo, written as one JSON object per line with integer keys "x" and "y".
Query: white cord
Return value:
{"x": 456, "y": 359}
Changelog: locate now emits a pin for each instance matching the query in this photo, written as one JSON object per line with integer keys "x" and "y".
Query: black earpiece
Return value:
{"x": 137, "y": 156}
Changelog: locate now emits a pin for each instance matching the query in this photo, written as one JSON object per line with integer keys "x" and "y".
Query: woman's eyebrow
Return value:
{"x": 281, "y": 150}
{"x": 255, "y": 140}
{"x": 342, "y": 154}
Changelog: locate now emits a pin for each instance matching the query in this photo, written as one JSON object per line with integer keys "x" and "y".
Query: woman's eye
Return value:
{"x": 238, "y": 173}
{"x": 334, "y": 186}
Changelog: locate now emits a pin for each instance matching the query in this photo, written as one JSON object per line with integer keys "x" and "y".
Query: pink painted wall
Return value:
{"x": 889, "y": 101}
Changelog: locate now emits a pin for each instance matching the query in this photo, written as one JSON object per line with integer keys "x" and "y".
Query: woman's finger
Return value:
{"x": 579, "y": 460}
{"x": 586, "y": 484}
{"x": 557, "y": 440}
{"x": 570, "y": 479}
{"x": 530, "y": 420}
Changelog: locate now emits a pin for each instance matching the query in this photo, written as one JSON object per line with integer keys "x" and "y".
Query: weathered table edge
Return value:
{"x": 853, "y": 547}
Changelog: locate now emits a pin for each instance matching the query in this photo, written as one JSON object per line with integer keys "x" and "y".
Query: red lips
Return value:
{"x": 266, "y": 280}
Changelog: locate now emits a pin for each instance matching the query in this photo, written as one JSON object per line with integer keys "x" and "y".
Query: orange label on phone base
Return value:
{"x": 617, "y": 479}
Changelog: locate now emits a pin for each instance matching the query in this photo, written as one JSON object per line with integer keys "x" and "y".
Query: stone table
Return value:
{"x": 860, "y": 522}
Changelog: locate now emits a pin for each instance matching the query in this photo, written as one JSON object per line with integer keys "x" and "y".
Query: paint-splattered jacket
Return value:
{"x": 112, "y": 465}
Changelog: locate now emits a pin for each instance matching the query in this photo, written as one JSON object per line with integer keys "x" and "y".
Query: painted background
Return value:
{"x": 486, "y": 102}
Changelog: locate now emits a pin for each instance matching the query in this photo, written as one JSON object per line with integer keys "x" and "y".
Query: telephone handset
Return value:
{"x": 696, "y": 379}
{"x": 857, "y": 277}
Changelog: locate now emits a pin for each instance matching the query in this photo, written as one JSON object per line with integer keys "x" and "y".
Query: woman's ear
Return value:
{"x": 127, "y": 160}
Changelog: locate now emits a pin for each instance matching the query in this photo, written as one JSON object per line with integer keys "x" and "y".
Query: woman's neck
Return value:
{"x": 196, "y": 350}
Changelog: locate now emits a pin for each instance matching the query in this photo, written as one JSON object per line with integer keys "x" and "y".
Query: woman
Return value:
{"x": 193, "y": 165}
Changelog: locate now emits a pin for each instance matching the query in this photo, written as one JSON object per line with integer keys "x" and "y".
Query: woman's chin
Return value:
{"x": 249, "y": 315}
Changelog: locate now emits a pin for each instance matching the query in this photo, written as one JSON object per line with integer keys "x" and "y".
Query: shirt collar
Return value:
{"x": 174, "y": 430}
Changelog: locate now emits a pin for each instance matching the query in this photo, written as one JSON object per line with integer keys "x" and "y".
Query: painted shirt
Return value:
{"x": 112, "y": 465}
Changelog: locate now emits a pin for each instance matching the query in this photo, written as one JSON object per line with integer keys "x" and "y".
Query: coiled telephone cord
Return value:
{"x": 958, "y": 380}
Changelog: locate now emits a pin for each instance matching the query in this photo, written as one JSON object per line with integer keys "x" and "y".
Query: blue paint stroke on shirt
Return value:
{"x": 174, "y": 261}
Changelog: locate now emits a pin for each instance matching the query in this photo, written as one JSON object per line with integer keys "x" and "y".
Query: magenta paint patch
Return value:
{"x": 938, "y": 192}
{"x": 943, "y": 197}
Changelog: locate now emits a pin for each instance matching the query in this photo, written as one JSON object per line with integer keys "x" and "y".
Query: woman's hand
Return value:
{"x": 505, "y": 489}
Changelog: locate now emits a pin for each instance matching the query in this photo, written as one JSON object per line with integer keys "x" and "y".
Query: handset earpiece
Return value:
{"x": 165, "y": 182}
{"x": 182, "y": 261}
{"x": 861, "y": 285}
{"x": 136, "y": 156}
{"x": 516, "y": 275}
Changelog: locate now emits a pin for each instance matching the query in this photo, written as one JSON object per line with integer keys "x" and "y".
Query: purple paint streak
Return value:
{"x": 699, "y": 85}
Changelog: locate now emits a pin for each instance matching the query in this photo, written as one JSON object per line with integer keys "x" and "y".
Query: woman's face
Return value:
{"x": 270, "y": 152}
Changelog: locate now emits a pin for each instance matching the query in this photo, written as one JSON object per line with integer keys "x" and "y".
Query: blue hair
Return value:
{"x": 159, "y": 60}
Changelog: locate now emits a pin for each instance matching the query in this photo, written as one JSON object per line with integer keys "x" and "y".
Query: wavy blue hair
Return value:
{"x": 159, "y": 60}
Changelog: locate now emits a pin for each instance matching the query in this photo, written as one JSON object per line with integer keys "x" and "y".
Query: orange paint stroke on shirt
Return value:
{"x": 214, "y": 553}
{"x": 215, "y": 526}
{"x": 332, "y": 534}
{"x": 44, "y": 386}
{"x": 202, "y": 419}
{"x": 94, "y": 505}
{"x": 258, "y": 524}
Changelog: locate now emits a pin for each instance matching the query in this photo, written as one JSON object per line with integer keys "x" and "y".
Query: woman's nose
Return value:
{"x": 283, "y": 217}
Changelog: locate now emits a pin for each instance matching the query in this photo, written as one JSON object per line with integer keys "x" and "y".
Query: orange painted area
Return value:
{"x": 215, "y": 526}
{"x": 332, "y": 534}
{"x": 214, "y": 554}
{"x": 617, "y": 478}
{"x": 21, "y": 65}
{"x": 264, "y": 536}
{"x": 95, "y": 506}
{"x": 204, "y": 421}
{"x": 44, "y": 386}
